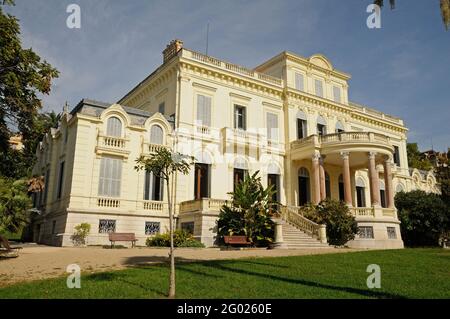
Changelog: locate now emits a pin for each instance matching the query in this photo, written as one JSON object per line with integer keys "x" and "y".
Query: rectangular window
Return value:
{"x": 202, "y": 181}
{"x": 203, "y": 110}
{"x": 54, "y": 227}
{"x": 106, "y": 226}
{"x": 110, "y": 177}
{"x": 162, "y": 107}
{"x": 319, "y": 87}
{"x": 321, "y": 129}
{"x": 337, "y": 94}
{"x": 397, "y": 155}
{"x": 153, "y": 187}
{"x": 272, "y": 127}
{"x": 299, "y": 82}
{"x": 274, "y": 181}
{"x": 240, "y": 121}
{"x": 365, "y": 232}
{"x": 152, "y": 228}
{"x": 301, "y": 129}
{"x": 391, "y": 233}
{"x": 188, "y": 227}
{"x": 60, "y": 180}
{"x": 46, "y": 183}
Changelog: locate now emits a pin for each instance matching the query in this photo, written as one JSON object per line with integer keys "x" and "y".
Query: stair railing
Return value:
{"x": 292, "y": 215}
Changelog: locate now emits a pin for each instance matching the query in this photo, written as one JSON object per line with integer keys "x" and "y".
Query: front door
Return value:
{"x": 303, "y": 190}
{"x": 201, "y": 182}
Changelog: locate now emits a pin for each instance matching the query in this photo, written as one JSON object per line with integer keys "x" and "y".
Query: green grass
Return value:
{"x": 408, "y": 273}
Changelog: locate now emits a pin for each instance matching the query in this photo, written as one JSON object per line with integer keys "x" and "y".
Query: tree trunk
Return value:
{"x": 171, "y": 251}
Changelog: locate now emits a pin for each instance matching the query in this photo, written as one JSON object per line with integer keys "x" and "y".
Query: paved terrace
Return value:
{"x": 40, "y": 262}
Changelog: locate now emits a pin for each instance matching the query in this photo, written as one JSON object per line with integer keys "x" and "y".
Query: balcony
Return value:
{"x": 112, "y": 145}
{"x": 202, "y": 205}
{"x": 233, "y": 136}
{"x": 357, "y": 142}
{"x": 149, "y": 148}
{"x": 374, "y": 212}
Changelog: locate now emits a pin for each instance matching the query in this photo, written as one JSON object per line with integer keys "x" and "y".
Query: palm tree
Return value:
{"x": 164, "y": 164}
{"x": 445, "y": 10}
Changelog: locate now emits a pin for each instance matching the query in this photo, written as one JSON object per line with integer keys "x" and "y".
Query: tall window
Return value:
{"x": 397, "y": 155}
{"x": 203, "y": 110}
{"x": 341, "y": 188}
{"x": 156, "y": 135}
{"x": 337, "y": 94}
{"x": 272, "y": 127}
{"x": 299, "y": 82}
{"x": 319, "y": 87}
{"x": 202, "y": 181}
{"x": 304, "y": 193}
{"x": 110, "y": 177}
{"x": 321, "y": 126}
{"x": 153, "y": 187}
{"x": 240, "y": 120}
{"x": 60, "y": 180}
{"x": 302, "y": 125}
{"x": 162, "y": 107}
{"x": 339, "y": 127}
{"x": 114, "y": 127}
{"x": 382, "y": 194}
{"x": 360, "y": 193}
{"x": 327, "y": 185}
{"x": 273, "y": 179}
{"x": 238, "y": 176}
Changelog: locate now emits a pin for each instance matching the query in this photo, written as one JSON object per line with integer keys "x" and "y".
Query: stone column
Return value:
{"x": 316, "y": 178}
{"x": 387, "y": 165}
{"x": 278, "y": 232}
{"x": 323, "y": 190}
{"x": 346, "y": 176}
{"x": 374, "y": 182}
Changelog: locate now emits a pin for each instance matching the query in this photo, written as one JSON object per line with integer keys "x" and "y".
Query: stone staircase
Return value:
{"x": 297, "y": 239}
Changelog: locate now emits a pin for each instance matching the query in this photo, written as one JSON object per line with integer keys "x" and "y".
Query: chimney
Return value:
{"x": 172, "y": 49}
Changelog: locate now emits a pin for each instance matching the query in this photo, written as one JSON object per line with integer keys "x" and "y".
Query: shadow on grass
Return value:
{"x": 120, "y": 277}
{"x": 366, "y": 293}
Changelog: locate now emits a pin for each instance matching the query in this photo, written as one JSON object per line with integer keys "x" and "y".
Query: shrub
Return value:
{"x": 424, "y": 217}
{"x": 181, "y": 238}
{"x": 341, "y": 224}
{"x": 250, "y": 213}
{"x": 81, "y": 232}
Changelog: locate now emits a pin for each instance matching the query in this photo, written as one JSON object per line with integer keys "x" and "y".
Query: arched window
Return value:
{"x": 341, "y": 188}
{"x": 360, "y": 192}
{"x": 321, "y": 126}
{"x": 382, "y": 194}
{"x": 304, "y": 193}
{"x": 339, "y": 127}
{"x": 302, "y": 125}
{"x": 327, "y": 185}
{"x": 156, "y": 135}
{"x": 114, "y": 127}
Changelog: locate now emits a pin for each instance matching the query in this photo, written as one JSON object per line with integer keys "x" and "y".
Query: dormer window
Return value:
{"x": 114, "y": 127}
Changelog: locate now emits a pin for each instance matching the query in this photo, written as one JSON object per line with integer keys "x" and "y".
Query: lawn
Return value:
{"x": 407, "y": 273}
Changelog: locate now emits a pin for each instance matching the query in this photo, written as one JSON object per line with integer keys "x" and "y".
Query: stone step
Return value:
{"x": 297, "y": 239}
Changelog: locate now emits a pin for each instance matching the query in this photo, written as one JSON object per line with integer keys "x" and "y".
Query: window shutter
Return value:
{"x": 299, "y": 82}
{"x": 156, "y": 135}
{"x": 110, "y": 177}
{"x": 319, "y": 88}
{"x": 337, "y": 94}
{"x": 207, "y": 110}
{"x": 114, "y": 127}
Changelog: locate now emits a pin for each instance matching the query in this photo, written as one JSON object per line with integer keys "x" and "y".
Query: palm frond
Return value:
{"x": 445, "y": 12}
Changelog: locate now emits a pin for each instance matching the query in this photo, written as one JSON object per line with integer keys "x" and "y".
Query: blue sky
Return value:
{"x": 402, "y": 69}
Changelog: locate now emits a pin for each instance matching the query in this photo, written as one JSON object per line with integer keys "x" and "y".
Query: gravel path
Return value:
{"x": 39, "y": 262}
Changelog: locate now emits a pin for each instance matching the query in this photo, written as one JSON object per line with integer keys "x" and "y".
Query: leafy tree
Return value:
{"x": 14, "y": 204}
{"x": 442, "y": 172}
{"x": 164, "y": 164}
{"x": 416, "y": 159}
{"x": 445, "y": 9}
{"x": 424, "y": 217}
{"x": 252, "y": 207}
{"x": 341, "y": 224}
{"x": 22, "y": 77}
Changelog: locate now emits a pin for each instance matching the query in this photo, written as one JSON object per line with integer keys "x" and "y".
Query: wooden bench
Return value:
{"x": 236, "y": 240}
{"x": 113, "y": 237}
{"x": 8, "y": 251}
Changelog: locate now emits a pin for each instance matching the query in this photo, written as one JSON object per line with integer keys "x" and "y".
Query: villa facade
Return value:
{"x": 289, "y": 118}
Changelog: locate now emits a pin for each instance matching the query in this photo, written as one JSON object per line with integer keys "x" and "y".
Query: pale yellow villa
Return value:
{"x": 289, "y": 118}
